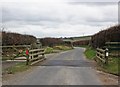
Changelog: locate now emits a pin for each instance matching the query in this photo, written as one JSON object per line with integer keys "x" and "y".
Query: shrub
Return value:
{"x": 9, "y": 38}
{"x": 111, "y": 34}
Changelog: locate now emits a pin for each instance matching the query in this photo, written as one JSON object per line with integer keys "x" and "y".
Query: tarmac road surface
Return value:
{"x": 65, "y": 68}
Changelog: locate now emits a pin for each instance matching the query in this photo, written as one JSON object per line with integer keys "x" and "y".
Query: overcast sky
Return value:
{"x": 60, "y": 18}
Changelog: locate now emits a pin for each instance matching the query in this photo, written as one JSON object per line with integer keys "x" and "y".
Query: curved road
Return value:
{"x": 65, "y": 68}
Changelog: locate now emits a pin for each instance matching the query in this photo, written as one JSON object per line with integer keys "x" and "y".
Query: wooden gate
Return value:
{"x": 35, "y": 56}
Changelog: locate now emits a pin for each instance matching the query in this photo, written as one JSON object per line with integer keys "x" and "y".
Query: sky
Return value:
{"x": 58, "y": 18}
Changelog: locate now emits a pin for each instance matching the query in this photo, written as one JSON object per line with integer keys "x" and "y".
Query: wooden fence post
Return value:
{"x": 27, "y": 56}
{"x": 27, "y": 61}
{"x": 106, "y": 56}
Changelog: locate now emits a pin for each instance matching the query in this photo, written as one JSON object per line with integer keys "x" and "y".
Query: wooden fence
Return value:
{"x": 35, "y": 56}
{"x": 11, "y": 52}
{"x": 114, "y": 48}
{"x": 111, "y": 49}
{"x": 101, "y": 55}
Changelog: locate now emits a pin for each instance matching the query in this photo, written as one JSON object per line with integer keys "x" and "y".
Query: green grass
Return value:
{"x": 19, "y": 67}
{"x": 62, "y": 47}
{"x": 13, "y": 56}
{"x": 112, "y": 66}
{"x": 7, "y": 58}
{"x": 48, "y": 50}
{"x": 90, "y": 53}
{"x": 57, "y": 49}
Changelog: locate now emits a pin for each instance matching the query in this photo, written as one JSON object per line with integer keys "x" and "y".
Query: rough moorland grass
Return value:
{"x": 19, "y": 67}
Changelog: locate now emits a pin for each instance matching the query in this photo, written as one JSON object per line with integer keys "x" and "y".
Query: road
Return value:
{"x": 65, "y": 68}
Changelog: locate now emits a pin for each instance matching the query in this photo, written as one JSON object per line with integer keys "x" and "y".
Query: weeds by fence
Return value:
{"x": 113, "y": 51}
{"x": 11, "y": 52}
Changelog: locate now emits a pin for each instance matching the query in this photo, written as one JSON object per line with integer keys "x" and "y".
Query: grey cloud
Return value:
{"x": 93, "y": 3}
{"x": 97, "y": 1}
{"x": 102, "y": 20}
{"x": 58, "y": 18}
{"x": 18, "y": 16}
{"x": 14, "y": 14}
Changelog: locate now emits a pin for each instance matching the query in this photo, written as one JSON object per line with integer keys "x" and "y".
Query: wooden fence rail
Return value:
{"x": 35, "y": 56}
{"x": 114, "y": 51}
{"x": 16, "y": 46}
{"x": 11, "y": 52}
{"x": 101, "y": 55}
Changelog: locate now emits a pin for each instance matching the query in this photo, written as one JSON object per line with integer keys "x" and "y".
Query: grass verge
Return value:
{"x": 4, "y": 58}
{"x": 112, "y": 66}
{"x": 62, "y": 47}
{"x": 19, "y": 67}
{"x": 56, "y": 49}
{"x": 48, "y": 50}
{"x": 90, "y": 53}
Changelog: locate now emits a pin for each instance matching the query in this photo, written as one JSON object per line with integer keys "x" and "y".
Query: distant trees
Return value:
{"x": 112, "y": 34}
{"x": 51, "y": 41}
{"x": 9, "y": 38}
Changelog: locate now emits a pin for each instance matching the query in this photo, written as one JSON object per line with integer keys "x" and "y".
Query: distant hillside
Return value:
{"x": 74, "y": 39}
